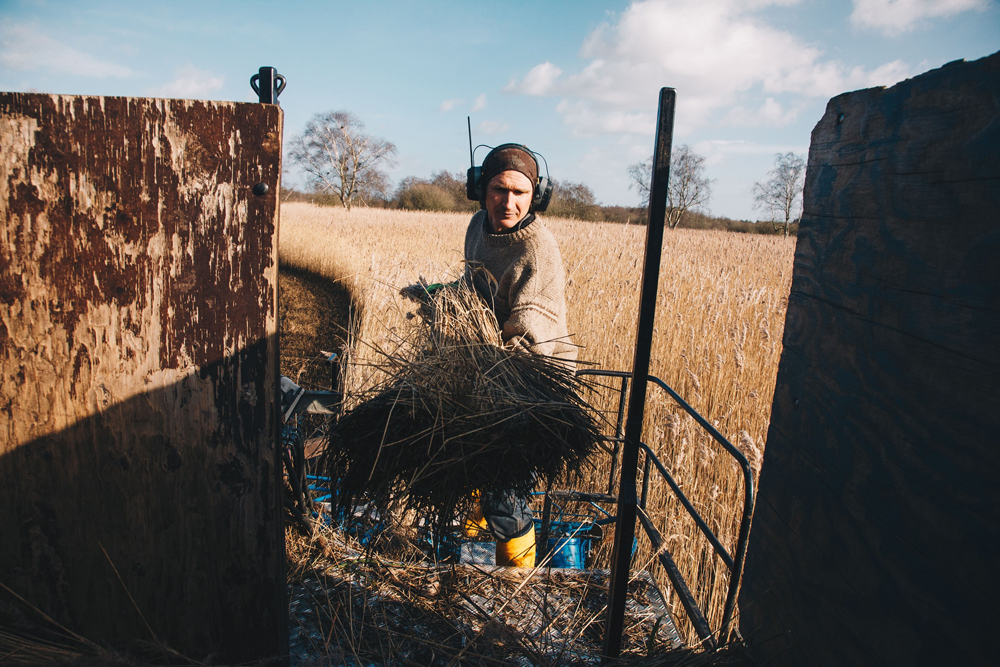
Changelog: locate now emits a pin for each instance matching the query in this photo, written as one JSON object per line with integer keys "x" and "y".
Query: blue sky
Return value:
{"x": 575, "y": 80}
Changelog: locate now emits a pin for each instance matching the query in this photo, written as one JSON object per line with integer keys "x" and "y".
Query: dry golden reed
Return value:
{"x": 459, "y": 414}
{"x": 717, "y": 341}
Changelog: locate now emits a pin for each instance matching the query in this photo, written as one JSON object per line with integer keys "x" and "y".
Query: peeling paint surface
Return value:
{"x": 138, "y": 352}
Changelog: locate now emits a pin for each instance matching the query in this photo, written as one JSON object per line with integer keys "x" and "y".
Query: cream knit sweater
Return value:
{"x": 530, "y": 283}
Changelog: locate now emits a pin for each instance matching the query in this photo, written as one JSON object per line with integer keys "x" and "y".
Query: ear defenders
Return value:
{"x": 475, "y": 189}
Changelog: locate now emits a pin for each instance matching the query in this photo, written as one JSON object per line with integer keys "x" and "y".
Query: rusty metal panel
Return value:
{"x": 138, "y": 356}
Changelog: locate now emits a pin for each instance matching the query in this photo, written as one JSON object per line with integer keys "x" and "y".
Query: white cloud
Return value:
{"x": 770, "y": 113}
{"x": 492, "y": 127}
{"x": 885, "y": 75}
{"x": 539, "y": 81}
{"x": 479, "y": 104}
{"x": 189, "y": 83}
{"x": 893, "y": 17}
{"x": 717, "y": 151}
{"x": 585, "y": 119}
{"x": 715, "y": 53}
{"x": 448, "y": 105}
{"x": 23, "y": 47}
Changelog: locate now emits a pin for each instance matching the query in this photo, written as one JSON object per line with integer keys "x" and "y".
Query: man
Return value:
{"x": 524, "y": 281}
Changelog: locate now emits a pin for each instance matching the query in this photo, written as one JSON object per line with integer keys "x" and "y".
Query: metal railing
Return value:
{"x": 734, "y": 563}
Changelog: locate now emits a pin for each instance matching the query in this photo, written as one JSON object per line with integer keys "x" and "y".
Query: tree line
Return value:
{"x": 345, "y": 165}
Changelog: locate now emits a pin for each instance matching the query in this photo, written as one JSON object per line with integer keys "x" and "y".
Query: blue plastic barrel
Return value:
{"x": 567, "y": 552}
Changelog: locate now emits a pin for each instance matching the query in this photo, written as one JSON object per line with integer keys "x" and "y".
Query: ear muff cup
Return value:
{"x": 473, "y": 187}
{"x": 543, "y": 195}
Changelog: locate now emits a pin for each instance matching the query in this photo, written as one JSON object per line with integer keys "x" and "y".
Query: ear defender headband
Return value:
{"x": 475, "y": 189}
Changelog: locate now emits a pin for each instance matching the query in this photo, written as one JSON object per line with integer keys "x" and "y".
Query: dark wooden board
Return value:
{"x": 138, "y": 361}
{"x": 877, "y": 530}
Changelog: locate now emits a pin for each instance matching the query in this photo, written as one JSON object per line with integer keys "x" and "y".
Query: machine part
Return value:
{"x": 553, "y": 513}
{"x": 295, "y": 400}
{"x": 318, "y": 403}
{"x": 268, "y": 84}
{"x": 298, "y": 504}
{"x": 291, "y": 394}
{"x": 627, "y": 498}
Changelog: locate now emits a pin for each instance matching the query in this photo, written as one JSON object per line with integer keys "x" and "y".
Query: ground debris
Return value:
{"x": 356, "y": 607}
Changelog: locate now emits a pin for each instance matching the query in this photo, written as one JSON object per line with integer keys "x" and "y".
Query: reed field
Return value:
{"x": 717, "y": 341}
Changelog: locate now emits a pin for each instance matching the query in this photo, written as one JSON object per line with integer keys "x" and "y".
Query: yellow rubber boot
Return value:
{"x": 474, "y": 524}
{"x": 517, "y": 552}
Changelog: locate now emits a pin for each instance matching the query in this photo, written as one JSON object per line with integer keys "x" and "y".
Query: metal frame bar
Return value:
{"x": 619, "y": 436}
{"x": 584, "y": 497}
{"x": 716, "y": 544}
{"x": 543, "y": 537}
{"x": 749, "y": 498}
{"x": 651, "y": 461}
{"x": 619, "y": 429}
{"x": 680, "y": 586}
{"x": 621, "y": 559}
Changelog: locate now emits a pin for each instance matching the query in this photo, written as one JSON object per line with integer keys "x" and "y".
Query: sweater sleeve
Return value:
{"x": 537, "y": 305}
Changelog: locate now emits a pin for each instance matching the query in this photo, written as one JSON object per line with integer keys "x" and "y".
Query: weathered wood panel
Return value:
{"x": 138, "y": 353}
{"x": 877, "y": 532}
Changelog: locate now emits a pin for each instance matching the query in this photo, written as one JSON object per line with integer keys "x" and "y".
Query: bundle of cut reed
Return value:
{"x": 460, "y": 412}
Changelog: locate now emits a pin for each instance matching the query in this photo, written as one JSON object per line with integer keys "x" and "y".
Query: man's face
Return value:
{"x": 508, "y": 198}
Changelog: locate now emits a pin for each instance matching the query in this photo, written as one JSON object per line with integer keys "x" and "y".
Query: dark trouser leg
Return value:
{"x": 509, "y": 518}
{"x": 507, "y": 515}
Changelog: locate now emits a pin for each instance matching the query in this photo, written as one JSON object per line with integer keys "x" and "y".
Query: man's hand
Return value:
{"x": 418, "y": 291}
{"x": 421, "y": 291}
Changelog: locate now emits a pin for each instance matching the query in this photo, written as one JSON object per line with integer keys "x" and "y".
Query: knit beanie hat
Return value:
{"x": 509, "y": 157}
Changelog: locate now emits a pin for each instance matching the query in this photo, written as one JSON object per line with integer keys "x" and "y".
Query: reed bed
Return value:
{"x": 717, "y": 341}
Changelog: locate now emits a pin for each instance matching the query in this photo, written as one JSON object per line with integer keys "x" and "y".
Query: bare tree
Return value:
{"x": 573, "y": 200}
{"x": 341, "y": 159}
{"x": 641, "y": 175}
{"x": 780, "y": 195}
{"x": 688, "y": 187}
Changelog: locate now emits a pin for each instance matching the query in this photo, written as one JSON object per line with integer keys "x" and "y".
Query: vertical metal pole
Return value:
{"x": 619, "y": 431}
{"x": 543, "y": 538}
{"x": 645, "y": 480}
{"x": 625, "y": 525}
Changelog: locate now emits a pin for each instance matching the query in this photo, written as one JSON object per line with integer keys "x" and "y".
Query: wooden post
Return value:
{"x": 877, "y": 529}
{"x": 139, "y": 484}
